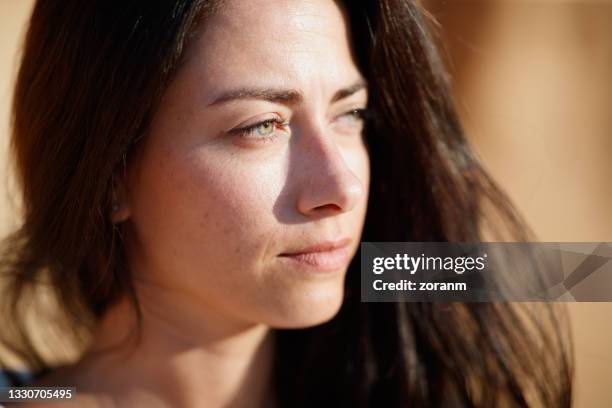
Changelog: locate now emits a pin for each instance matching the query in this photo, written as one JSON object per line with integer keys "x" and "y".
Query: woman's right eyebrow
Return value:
{"x": 289, "y": 97}
{"x": 284, "y": 96}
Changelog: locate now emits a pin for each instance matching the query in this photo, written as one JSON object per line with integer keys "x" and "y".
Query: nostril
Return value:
{"x": 328, "y": 207}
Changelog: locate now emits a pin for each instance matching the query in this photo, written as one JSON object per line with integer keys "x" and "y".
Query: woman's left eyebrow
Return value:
{"x": 348, "y": 91}
{"x": 288, "y": 97}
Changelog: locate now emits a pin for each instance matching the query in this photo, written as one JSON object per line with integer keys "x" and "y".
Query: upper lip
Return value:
{"x": 323, "y": 246}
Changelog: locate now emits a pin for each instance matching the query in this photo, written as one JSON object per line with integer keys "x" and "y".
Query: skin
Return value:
{"x": 207, "y": 212}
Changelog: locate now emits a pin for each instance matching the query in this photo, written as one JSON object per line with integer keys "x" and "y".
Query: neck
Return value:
{"x": 185, "y": 355}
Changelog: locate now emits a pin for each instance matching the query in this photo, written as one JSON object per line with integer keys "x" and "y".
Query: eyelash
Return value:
{"x": 248, "y": 131}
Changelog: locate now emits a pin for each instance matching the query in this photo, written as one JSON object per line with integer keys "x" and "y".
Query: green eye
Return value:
{"x": 352, "y": 116}
{"x": 265, "y": 128}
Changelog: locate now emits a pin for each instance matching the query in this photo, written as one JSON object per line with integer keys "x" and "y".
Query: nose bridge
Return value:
{"x": 328, "y": 183}
{"x": 322, "y": 150}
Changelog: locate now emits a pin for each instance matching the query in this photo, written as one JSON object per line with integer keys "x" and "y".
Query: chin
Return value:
{"x": 310, "y": 310}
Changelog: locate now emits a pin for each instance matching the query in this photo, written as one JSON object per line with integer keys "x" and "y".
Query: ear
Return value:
{"x": 120, "y": 209}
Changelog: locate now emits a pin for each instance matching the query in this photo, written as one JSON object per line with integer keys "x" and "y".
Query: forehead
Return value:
{"x": 274, "y": 41}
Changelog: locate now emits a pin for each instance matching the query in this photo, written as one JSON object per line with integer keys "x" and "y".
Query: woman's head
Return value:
{"x": 154, "y": 114}
{"x": 230, "y": 136}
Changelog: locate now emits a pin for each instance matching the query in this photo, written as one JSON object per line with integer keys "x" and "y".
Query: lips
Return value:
{"x": 325, "y": 256}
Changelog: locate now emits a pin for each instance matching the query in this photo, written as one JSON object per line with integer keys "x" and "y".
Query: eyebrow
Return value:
{"x": 283, "y": 96}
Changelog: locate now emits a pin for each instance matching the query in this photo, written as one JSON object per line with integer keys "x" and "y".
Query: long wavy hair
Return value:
{"x": 91, "y": 77}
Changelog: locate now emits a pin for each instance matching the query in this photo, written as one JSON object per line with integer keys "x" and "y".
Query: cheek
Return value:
{"x": 195, "y": 211}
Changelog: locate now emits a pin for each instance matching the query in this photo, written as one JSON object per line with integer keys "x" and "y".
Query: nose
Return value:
{"x": 327, "y": 184}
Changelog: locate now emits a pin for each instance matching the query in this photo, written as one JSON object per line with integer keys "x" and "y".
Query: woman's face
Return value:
{"x": 249, "y": 194}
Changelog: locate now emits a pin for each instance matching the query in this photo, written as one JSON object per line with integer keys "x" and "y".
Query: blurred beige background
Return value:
{"x": 533, "y": 81}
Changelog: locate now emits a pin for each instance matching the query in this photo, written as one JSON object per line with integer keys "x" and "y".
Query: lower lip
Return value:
{"x": 327, "y": 261}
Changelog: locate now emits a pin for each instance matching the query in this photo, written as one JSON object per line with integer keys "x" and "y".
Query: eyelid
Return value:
{"x": 275, "y": 117}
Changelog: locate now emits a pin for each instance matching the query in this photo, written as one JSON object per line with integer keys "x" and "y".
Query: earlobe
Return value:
{"x": 120, "y": 210}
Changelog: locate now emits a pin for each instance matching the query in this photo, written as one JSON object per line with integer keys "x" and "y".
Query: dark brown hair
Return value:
{"x": 91, "y": 77}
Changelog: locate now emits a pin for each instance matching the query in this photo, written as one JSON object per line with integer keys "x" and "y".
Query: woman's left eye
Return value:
{"x": 354, "y": 114}
{"x": 354, "y": 117}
